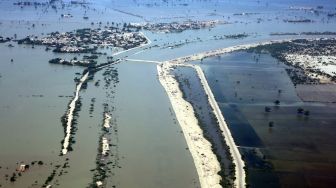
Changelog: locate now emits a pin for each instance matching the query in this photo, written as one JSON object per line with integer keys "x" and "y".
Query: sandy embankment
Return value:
{"x": 221, "y": 51}
{"x": 205, "y": 160}
{"x": 69, "y": 115}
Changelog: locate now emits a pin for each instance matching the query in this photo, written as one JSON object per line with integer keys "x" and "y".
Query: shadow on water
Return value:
{"x": 240, "y": 128}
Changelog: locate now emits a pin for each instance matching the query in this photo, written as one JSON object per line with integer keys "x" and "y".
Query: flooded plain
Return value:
{"x": 147, "y": 146}
{"x": 282, "y": 147}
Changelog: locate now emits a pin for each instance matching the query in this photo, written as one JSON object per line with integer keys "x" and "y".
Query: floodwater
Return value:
{"x": 151, "y": 143}
{"x": 35, "y": 94}
{"x": 244, "y": 78}
{"x": 150, "y": 149}
{"x": 244, "y": 84}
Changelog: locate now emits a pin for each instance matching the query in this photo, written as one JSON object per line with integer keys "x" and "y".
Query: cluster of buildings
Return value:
{"x": 84, "y": 63}
{"x": 88, "y": 40}
{"x": 309, "y": 61}
{"x": 175, "y": 27}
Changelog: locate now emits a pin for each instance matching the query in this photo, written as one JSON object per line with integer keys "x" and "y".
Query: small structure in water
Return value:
{"x": 105, "y": 146}
{"x": 99, "y": 183}
{"x": 22, "y": 167}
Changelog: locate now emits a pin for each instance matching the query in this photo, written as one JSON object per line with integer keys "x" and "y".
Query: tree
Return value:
{"x": 13, "y": 178}
{"x": 300, "y": 110}
{"x": 277, "y": 102}
{"x": 307, "y": 113}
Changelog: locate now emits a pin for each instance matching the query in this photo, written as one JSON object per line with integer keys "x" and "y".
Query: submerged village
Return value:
{"x": 86, "y": 41}
{"x": 167, "y": 94}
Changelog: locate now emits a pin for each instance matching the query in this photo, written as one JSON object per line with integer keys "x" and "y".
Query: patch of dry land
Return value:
{"x": 88, "y": 40}
{"x": 70, "y": 115}
{"x": 322, "y": 67}
{"x": 310, "y": 61}
{"x": 221, "y": 51}
{"x": 176, "y": 27}
{"x": 311, "y": 65}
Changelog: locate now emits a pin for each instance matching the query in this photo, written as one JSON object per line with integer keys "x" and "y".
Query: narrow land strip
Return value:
{"x": 145, "y": 61}
{"x": 202, "y": 55}
{"x": 205, "y": 160}
{"x": 70, "y": 114}
{"x": 237, "y": 159}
